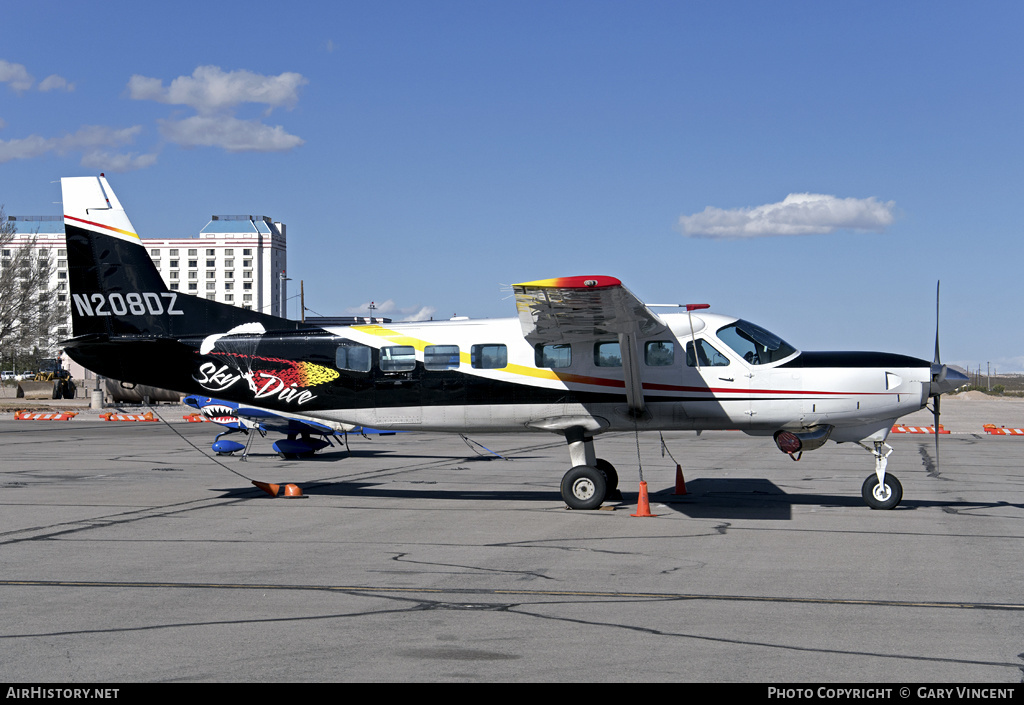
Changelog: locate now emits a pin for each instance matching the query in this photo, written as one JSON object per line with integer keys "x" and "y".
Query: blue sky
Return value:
{"x": 427, "y": 154}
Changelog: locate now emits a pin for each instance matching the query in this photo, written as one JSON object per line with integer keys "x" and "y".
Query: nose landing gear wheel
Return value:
{"x": 886, "y": 496}
{"x": 584, "y": 487}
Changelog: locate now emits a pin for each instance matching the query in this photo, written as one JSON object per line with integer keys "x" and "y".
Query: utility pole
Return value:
{"x": 302, "y": 298}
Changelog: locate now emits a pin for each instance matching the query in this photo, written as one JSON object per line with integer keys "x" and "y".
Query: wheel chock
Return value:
{"x": 643, "y": 506}
{"x": 680, "y": 481}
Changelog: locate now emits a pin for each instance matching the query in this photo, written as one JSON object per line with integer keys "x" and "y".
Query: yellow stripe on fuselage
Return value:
{"x": 464, "y": 357}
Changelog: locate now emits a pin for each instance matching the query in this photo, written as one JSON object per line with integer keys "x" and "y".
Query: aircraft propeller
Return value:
{"x": 938, "y": 375}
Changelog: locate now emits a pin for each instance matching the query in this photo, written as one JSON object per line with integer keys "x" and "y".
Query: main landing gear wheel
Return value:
{"x": 611, "y": 479}
{"x": 885, "y": 496}
{"x": 584, "y": 487}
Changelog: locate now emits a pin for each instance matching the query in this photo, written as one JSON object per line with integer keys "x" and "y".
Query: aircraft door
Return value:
{"x": 718, "y": 386}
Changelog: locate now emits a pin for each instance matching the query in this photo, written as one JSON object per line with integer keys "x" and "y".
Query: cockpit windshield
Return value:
{"x": 754, "y": 344}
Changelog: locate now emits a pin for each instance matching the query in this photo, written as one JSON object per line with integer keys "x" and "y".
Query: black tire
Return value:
{"x": 70, "y": 389}
{"x": 584, "y": 487}
{"x": 882, "y": 500}
{"x": 57, "y": 392}
{"x": 611, "y": 477}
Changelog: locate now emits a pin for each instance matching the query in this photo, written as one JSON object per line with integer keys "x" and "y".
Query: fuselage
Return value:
{"x": 484, "y": 375}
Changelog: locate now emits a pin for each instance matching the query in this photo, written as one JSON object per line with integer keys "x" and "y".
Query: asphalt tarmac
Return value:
{"x": 130, "y": 554}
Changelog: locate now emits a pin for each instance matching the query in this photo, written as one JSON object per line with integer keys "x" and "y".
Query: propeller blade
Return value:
{"x": 937, "y": 375}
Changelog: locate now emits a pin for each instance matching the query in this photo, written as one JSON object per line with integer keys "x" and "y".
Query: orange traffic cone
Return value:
{"x": 270, "y": 489}
{"x": 292, "y": 491}
{"x": 643, "y": 507}
{"x": 680, "y": 482}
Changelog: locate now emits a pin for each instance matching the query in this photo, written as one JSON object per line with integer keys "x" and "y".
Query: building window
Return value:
{"x": 174, "y": 263}
{"x": 193, "y": 275}
{"x": 247, "y": 263}
{"x": 174, "y": 286}
{"x": 247, "y": 285}
{"x": 228, "y": 252}
{"x": 210, "y": 253}
{"x": 247, "y": 274}
{"x": 229, "y": 286}
{"x": 193, "y": 253}
{"x": 211, "y": 275}
{"x": 211, "y": 286}
{"x": 211, "y": 263}
{"x": 193, "y": 263}
{"x": 173, "y": 253}
{"x": 229, "y": 297}
{"x": 154, "y": 253}
{"x": 192, "y": 286}
{"x": 247, "y": 253}
{"x": 246, "y": 297}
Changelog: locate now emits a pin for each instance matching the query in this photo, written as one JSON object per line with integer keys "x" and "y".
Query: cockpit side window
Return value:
{"x": 706, "y": 355}
{"x": 754, "y": 344}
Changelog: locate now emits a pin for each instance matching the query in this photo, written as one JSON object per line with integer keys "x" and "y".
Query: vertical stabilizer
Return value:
{"x": 116, "y": 289}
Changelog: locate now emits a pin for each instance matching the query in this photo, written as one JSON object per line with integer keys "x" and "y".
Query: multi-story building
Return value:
{"x": 237, "y": 259}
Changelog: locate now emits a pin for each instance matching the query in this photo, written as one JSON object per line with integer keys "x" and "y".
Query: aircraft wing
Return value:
{"x": 578, "y": 309}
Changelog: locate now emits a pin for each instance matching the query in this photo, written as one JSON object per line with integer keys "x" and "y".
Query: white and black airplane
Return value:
{"x": 584, "y": 356}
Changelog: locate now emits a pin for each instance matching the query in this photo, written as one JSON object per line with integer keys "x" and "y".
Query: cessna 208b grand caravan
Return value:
{"x": 584, "y": 356}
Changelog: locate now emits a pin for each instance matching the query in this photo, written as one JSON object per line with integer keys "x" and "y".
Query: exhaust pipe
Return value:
{"x": 794, "y": 443}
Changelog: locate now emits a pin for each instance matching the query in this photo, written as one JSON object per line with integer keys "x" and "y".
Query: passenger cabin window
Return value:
{"x": 607, "y": 355}
{"x": 754, "y": 344}
{"x": 353, "y": 356}
{"x": 441, "y": 357}
{"x": 659, "y": 353}
{"x": 489, "y": 357}
{"x": 398, "y": 358}
{"x": 553, "y": 356}
{"x": 707, "y": 355}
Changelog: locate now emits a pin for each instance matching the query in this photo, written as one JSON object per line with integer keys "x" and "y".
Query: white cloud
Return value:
{"x": 16, "y": 75}
{"x": 389, "y": 309}
{"x": 113, "y": 162}
{"x": 92, "y": 140}
{"x": 19, "y": 79}
{"x": 798, "y": 214}
{"x": 210, "y": 89}
{"x": 229, "y": 133}
{"x": 53, "y": 82}
{"x": 215, "y": 94}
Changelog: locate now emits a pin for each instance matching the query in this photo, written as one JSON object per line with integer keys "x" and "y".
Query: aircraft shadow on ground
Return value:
{"x": 732, "y": 498}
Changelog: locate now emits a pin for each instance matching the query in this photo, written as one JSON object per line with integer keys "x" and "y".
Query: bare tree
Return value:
{"x": 29, "y": 310}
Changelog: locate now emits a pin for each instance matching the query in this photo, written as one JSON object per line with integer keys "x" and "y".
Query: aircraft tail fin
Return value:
{"x": 116, "y": 289}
